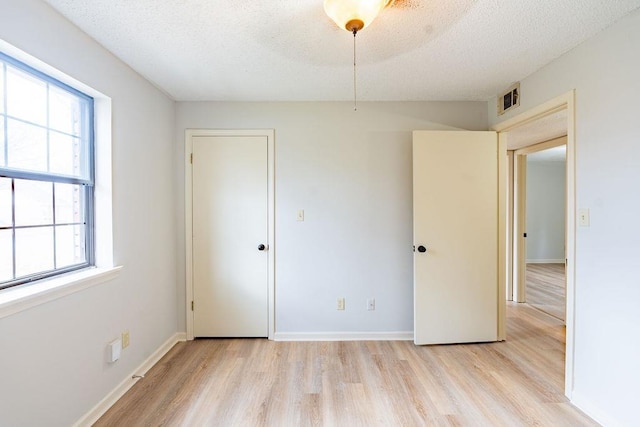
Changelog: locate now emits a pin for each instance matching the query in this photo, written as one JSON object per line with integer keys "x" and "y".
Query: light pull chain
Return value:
{"x": 355, "y": 92}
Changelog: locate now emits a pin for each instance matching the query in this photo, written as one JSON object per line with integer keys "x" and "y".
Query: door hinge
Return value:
{"x": 525, "y": 235}
{"x": 191, "y": 159}
{"x": 191, "y": 305}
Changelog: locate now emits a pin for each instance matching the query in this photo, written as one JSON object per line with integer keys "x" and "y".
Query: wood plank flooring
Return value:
{"x": 546, "y": 288}
{"x": 256, "y": 382}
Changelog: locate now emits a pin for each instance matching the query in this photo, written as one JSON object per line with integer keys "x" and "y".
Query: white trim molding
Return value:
{"x": 103, "y": 406}
{"x": 593, "y": 411}
{"x": 20, "y": 298}
{"x": 344, "y": 336}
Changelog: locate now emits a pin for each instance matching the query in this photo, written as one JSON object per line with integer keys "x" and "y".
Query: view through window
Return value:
{"x": 46, "y": 175}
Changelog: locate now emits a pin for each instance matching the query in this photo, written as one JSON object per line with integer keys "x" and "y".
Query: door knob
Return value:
{"x": 422, "y": 249}
{"x": 262, "y": 247}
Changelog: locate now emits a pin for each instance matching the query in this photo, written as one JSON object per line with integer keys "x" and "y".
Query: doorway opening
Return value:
{"x": 547, "y": 126}
{"x": 545, "y": 222}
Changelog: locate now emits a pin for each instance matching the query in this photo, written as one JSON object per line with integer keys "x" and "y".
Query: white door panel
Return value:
{"x": 455, "y": 185}
{"x": 230, "y": 205}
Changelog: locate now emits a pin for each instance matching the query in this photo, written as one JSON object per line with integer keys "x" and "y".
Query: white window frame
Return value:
{"x": 16, "y": 299}
{"x": 84, "y": 181}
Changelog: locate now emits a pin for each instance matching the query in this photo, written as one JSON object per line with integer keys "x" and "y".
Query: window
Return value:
{"x": 46, "y": 176}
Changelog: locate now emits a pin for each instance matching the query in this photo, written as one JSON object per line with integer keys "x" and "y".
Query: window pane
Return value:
{"x": 1, "y": 88}
{"x": 6, "y": 260}
{"x": 34, "y": 202}
{"x": 26, "y": 97}
{"x": 69, "y": 204}
{"x": 46, "y": 129}
{"x": 34, "y": 250}
{"x": 64, "y": 111}
{"x": 5, "y": 203}
{"x": 70, "y": 244}
{"x": 27, "y": 147}
{"x": 65, "y": 155}
{"x": 3, "y": 144}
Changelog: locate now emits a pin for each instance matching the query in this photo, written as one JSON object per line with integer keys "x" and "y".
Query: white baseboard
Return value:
{"x": 593, "y": 411}
{"x": 103, "y": 406}
{"x": 545, "y": 261}
{"x": 344, "y": 336}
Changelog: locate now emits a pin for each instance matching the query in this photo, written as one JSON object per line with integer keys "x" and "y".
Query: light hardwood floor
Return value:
{"x": 546, "y": 288}
{"x": 255, "y": 382}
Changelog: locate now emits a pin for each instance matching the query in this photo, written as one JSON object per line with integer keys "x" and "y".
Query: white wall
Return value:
{"x": 546, "y": 182}
{"x": 52, "y": 357}
{"x": 604, "y": 72}
{"x": 352, "y": 174}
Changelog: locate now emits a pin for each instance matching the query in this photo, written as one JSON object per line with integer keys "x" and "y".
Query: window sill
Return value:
{"x": 20, "y": 298}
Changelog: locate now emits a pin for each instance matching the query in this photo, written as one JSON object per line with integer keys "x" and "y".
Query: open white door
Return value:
{"x": 456, "y": 214}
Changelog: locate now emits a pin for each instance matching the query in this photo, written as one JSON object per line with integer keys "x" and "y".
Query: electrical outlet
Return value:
{"x": 340, "y": 304}
{"x": 115, "y": 347}
{"x": 371, "y": 304}
{"x": 125, "y": 339}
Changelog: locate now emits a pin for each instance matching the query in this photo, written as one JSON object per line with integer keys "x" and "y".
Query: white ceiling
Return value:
{"x": 285, "y": 50}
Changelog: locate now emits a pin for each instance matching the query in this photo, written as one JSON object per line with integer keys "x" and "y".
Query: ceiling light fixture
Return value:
{"x": 353, "y": 16}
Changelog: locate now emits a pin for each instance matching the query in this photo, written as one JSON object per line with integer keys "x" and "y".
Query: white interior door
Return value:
{"x": 455, "y": 211}
{"x": 230, "y": 222}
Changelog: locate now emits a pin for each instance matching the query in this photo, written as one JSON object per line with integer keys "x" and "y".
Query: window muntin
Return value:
{"x": 46, "y": 175}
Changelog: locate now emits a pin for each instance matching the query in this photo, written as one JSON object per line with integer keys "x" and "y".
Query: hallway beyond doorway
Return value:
{"x": 546, "y": 288}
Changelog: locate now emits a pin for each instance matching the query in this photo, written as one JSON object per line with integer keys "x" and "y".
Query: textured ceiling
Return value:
{"x": 275, "y": 50}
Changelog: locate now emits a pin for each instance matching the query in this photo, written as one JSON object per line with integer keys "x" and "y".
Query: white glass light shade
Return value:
{"x": 353, "y": 15}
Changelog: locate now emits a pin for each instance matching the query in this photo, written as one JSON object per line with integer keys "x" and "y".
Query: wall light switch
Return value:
{"x": 583, "y": 217}
{"x": 300, "y": 215}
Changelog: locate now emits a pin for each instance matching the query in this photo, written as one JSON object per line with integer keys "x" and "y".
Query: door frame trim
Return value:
{"x": 519, "y": 242}
{"x": 188, "y": 217}
{"x": 564, "y": 101}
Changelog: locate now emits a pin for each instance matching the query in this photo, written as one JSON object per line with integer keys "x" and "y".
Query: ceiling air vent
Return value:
{"x": 509, "y": 99}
